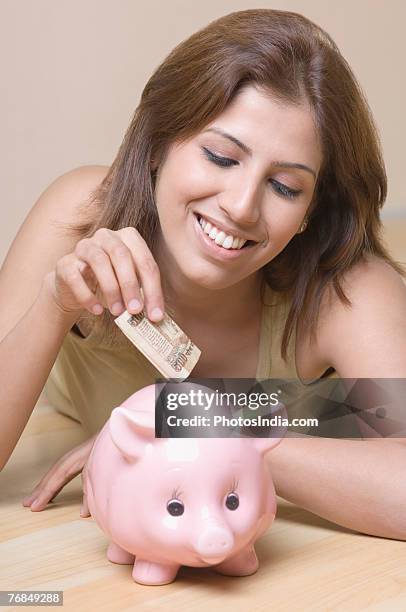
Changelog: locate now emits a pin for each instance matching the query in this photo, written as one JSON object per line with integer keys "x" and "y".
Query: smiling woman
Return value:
{"x": 224, "y": 132}
{"x": 244, "y": 198}
{"x": 251, "y": 196}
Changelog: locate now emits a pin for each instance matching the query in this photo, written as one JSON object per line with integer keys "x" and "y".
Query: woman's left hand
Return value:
{"x": 62, "y": 472}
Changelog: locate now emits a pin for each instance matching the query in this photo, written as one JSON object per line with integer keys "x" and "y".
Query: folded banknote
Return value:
{"x": 166, "y": 346}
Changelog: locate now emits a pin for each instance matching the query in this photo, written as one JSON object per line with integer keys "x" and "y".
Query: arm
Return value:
{"x": 27, "y": 355}
{"x": 32, "y": 328}
{"x": 356, "y": 484}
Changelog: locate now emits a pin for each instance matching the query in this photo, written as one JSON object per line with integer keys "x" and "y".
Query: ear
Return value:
{"x": 155, "y": 162}
{"x": 131, "y": 431}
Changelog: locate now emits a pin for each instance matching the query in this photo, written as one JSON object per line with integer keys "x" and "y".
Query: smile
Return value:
{"x": 226, "y": 241}
{"x": 218, "y": 251}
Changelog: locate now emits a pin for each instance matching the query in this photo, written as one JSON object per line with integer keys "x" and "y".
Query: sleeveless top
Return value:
{"x": 88, "y": 380}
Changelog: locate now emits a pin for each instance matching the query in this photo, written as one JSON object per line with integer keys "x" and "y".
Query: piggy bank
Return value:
{"x": 167, "y": 502}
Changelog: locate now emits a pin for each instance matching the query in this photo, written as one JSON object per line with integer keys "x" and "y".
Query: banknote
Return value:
{"x": 166, "y": 346}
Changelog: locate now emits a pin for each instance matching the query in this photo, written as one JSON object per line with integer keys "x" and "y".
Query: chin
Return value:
{"x": 209, "y": 279}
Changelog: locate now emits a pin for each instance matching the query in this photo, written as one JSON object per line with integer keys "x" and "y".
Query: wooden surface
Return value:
{"x": 306, "y": 563}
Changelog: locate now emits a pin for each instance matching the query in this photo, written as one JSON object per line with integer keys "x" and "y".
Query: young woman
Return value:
{"x": 245, "y": 200}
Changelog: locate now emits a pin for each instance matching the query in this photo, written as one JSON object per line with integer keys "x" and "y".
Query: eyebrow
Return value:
{"x": 248, "y": 151}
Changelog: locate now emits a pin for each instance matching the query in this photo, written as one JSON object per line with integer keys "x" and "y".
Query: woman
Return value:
{"x": 245, "y": 200}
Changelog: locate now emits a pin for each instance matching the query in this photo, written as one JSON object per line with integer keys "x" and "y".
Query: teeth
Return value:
{"x": 220, "y": 237}
{"x": 228, "y": 242}
{"x": 213, "y": 233}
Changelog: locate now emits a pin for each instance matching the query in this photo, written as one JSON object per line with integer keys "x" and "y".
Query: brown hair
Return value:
{"x": 296, "y": 61}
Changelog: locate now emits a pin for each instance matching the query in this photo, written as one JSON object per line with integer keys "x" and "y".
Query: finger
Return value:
{"x": 69, "y": 270}
{"x": 62, "y": 472}
{"x": 28, "y": 499}
{"x": 84, "y": 510}
{"x": 148, "y": 273}
{"x": 99, "y": 260}
{"x": 53, "y": 482}
{"x": 124, "y": 268}
{"x": 48, "y": 492}
{"x": 88, "y": 275}
{"x": 44, "y": 497}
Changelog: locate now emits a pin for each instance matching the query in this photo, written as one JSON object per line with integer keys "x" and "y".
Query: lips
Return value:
{"x": 214, "y": 251}
{"x": 228, "y": 232}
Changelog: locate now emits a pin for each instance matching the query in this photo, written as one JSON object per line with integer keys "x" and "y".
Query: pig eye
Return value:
{"x": 175, "y": 507}
{"x": 232, "y": 501}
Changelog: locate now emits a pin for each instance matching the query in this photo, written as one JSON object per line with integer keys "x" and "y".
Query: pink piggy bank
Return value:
{"x": 167, "y": 502}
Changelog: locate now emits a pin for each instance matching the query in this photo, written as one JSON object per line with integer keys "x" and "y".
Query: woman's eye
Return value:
{"x": 283, "y": 190}
{"x": 225, "y": 162}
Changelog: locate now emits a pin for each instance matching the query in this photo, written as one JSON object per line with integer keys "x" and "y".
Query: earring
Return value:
{"x": 153, "y": 170}
{"x": 303, "y": 227}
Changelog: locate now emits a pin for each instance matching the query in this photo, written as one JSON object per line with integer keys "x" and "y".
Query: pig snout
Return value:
{"x": 214, "y": 544}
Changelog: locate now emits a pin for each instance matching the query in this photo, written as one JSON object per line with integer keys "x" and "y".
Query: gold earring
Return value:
{"x": 303, "y": 227}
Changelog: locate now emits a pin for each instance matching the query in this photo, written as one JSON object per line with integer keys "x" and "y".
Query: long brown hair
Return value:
{"x": 296, "y": 61}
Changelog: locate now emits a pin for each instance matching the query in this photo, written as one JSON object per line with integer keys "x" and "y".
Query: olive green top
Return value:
{"x": 88, "y": 379}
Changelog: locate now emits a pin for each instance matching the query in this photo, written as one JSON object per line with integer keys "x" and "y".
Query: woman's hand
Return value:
{"x": 62, "y": 472}
{"x": 106, "y": 271}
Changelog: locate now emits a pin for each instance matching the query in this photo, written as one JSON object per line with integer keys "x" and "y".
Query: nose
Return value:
{"x": 243, "y": 203}
{"x": 214, "y": 543}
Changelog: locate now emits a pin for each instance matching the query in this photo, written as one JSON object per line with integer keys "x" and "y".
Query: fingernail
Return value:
{"x": 156, "y": 313}
{"x": 134, "y": 304}
{"x": 117, "y": 308}
{"x": 97, "y": 309}
{"x": 35, "y": 503}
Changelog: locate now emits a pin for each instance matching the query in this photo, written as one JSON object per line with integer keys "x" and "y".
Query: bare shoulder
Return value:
{"x": 372, "y": 269}
{"x": 84, "y": 174}
{"x": 42, "y": 239}
{"x": 361, "y": 283}
{"x": 74, "y": 188}
{"x": 367, "y": 338}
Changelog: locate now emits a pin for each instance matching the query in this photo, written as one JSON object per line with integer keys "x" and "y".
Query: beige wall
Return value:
{"x": 73, "y": 71}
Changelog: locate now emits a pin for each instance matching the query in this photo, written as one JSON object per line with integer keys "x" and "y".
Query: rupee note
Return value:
{"x": 166, "y": 346}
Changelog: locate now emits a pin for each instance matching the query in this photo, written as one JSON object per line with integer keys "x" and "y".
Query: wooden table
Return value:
{"x": 306, "y": 563}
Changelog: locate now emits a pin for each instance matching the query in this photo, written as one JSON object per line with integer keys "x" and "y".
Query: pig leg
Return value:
{"x": 146, "y": 572}
{"x": 244, "y": 563}
{"x": 116, "y": 554}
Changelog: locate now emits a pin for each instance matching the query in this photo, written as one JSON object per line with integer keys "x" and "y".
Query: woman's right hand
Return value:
{"x": 106, "y": 271}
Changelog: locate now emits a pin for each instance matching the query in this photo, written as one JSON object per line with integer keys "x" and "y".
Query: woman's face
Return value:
{"x": 242, "y": 190}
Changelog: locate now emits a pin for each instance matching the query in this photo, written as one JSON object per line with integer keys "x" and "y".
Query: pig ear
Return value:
{"x": 131, "y": 430}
